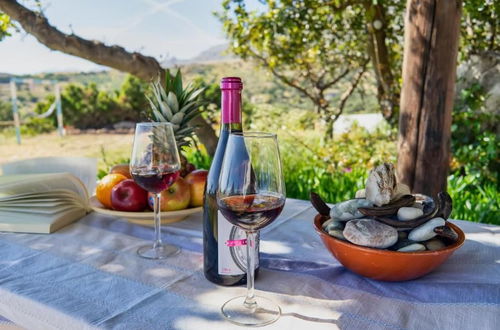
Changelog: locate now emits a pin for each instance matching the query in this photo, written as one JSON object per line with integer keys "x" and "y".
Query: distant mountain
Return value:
{"x": 213, "y": 54}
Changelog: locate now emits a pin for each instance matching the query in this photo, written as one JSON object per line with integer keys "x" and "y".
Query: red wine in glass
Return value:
{"x": 154, "y": 180}
{"x": 251, "y": 212}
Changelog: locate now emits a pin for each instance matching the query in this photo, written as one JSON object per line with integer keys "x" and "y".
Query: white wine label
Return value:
{"x": 232, "y": 248}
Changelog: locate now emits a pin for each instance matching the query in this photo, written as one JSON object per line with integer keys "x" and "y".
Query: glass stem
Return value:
{"x": 250, "y": 299}
{"x": 157, "y": 242}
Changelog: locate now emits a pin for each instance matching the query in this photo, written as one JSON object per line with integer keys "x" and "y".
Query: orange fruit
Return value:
{"x": 104, "y": 187}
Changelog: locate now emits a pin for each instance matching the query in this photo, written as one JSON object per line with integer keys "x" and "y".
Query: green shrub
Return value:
{"x": 35, "y": 126}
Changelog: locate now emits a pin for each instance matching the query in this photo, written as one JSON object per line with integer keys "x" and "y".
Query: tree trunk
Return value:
{"x": 387, "y": 88}
{"x": 429, "y": 70}
{"x": 144, "y": 67}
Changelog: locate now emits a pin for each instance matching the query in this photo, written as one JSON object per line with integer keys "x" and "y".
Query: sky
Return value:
{"x": 159, "y": 28}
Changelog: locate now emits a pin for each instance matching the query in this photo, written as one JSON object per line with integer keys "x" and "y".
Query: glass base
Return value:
{"x": 263, "y": 313}
{"x": 160, "y": 252}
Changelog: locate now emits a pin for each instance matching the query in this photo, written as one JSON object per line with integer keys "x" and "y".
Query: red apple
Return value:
{"x": 176, "y": 197}
{"x": 128, "y": 196}
{"x": 197, "y": 180}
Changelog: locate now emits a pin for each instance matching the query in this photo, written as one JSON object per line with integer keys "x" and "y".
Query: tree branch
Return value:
{"x": 282, "y": 77}
{"x": 144, "y": 67}
{"x": 348, "y": 93}
{"x": 336, "y": 79}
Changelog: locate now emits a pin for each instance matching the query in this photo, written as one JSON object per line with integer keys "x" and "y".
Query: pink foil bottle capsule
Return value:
{"x": 231, "y": 99}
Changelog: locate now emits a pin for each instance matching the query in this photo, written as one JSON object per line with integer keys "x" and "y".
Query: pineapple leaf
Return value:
{"x": 177, "y": 118}
{"x": 159, "y": 116}
{"x": 195, "y": 94}
{"x": 177, "y": 83}
{"x": 172, "y": 102}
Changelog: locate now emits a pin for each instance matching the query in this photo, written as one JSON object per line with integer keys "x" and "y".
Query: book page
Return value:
{"x": 33, "y": 186}
{"x": 83, "y": 168}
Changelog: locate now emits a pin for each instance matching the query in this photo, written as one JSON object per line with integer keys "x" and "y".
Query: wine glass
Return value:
{"x": 251, "y": 195}
{"x": 155, "y": 166}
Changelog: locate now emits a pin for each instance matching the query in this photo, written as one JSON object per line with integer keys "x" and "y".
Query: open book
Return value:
{"x": 41, "y": 203}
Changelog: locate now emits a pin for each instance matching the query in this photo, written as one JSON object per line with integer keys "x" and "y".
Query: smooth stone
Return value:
{"x": 371, "y": 233}
{"x": 348, "y": 210}
{"x": 326, "y": 223}
{"x": 337, "y": 233}
{"x": 335, "y": 225}
{"x": 402, "y": 234}
{"x": 412, "y": 248}
{"x": 434, "y": 244}
{"x": 401, "y": 243}
{"x": 426, "y": 231}
{"x": 409, "y": 213}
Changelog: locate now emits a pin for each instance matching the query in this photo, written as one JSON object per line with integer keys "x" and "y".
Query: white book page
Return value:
{"x": 27, "y": 187}
{"x": 83, "y": 168}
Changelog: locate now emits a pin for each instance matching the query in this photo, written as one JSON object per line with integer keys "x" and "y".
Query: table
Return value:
{"x": 87, "y": 276}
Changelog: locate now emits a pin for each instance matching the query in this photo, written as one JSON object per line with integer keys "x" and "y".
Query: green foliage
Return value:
{"x": 5, "y": 111}
{"x": 197, "y": 155}
{"x": 87, "y": 106}
{"x": 475, "y": 141}
{"x": 308, "y": 45}
{"x": 6, "y": 25}
{"x": 133, "y": 94}
{"x": 474, "y": 199}
{"x": 479, "y": 28}
{"x": 34, "y": 126}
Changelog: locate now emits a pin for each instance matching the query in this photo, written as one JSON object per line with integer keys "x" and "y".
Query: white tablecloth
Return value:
{"x": 87, "y": 275}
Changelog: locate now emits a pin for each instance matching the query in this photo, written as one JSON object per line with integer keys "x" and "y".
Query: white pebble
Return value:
{"x": 412, "y": 248}
{"x": 409, "y": 213}
{"x": 426, "y": 231}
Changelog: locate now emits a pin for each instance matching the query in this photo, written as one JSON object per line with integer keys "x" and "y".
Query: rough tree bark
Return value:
{"x": 387, "y": 87}
{"x": 429, "y": 70}
{"x": 116, "y": 57}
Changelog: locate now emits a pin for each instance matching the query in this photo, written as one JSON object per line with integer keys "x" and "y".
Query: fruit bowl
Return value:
{"x": 144, "y": 218}
{"x": 386, "y": 265}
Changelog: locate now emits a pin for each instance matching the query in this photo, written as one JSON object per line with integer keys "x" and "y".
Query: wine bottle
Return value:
{"x": 224, "y": 250}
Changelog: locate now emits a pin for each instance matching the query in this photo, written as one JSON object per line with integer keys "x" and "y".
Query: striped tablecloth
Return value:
{"x": 87, "y": 276}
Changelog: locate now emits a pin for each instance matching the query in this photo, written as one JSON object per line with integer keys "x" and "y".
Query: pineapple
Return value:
{"x": 172, "y": 103}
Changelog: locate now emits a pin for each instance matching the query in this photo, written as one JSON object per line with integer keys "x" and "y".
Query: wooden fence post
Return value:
{"x": 429, "y": 73}
{"x": 15, "y": 111}
{"x": 60, "y": 126}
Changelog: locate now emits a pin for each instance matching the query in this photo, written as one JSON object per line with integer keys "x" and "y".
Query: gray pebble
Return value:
{"x": 348, "y": 210}
{"x": 337, "y": 234}
{"x": 426, "y": 231}
{"x": 371, "y": 233}
{"x": 412, "y": 248}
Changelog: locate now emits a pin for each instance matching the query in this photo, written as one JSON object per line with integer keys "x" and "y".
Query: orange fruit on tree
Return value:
{"x": 104, "y": 187}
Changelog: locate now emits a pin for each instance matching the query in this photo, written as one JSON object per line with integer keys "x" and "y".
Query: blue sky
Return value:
{"x": 160, "y": 28}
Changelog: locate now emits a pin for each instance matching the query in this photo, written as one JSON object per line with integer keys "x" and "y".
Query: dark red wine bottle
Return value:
{"x": 224, "y": 252}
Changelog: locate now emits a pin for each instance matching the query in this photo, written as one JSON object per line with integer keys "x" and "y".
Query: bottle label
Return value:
{"x": 232, "y": 248}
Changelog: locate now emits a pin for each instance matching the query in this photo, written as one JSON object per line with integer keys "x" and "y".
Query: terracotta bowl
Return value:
{"x": 385, "y": 265}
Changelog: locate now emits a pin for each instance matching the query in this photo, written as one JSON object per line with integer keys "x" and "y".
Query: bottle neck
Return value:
{"x": 231, "y": 107}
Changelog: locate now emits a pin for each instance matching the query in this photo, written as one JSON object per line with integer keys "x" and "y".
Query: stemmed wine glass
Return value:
{"x": 155, "y": 166}
{"x": 251, "y": 195}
